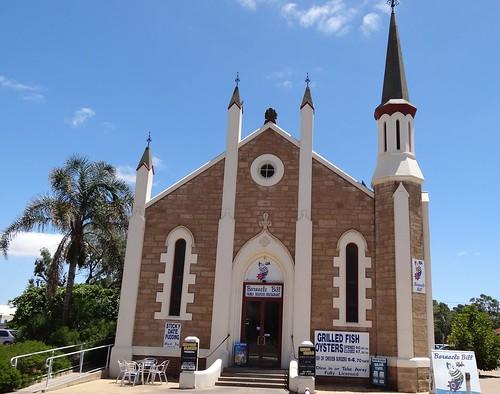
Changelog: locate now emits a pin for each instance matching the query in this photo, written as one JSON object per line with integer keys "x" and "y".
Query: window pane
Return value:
{"x": 352, "y": 283}
{"x": 177, "y": 278}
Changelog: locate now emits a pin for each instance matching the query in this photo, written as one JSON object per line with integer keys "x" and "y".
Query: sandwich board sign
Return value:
{"x": 449, "y": 369}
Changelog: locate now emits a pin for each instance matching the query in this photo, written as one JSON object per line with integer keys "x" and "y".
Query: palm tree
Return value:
{"x": 87, "y": 201}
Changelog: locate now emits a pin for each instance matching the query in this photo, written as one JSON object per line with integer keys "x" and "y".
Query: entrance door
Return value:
{"x": 261, "y": 330}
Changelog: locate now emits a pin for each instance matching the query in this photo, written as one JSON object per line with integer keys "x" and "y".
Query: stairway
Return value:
{"x": 257, "y": 378}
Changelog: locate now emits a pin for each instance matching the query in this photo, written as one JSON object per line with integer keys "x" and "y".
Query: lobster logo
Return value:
{"x": 457, "y": 376}
{"x": 418, "y": 272}
{"x": 263, "y": 271}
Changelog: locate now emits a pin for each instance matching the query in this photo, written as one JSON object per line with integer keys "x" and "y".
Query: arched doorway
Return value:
{"x": 262, "y": 301}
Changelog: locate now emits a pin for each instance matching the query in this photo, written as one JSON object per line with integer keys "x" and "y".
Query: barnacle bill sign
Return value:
{"x": 449, "y": 368}
{"x": 340, "y": 353}
{"x": 418, "y": 275}
{"x": 266, "y": 291}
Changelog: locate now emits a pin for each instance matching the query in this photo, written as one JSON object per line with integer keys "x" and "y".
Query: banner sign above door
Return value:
{"x": 266, "y": 291}
{"x": 265, "y": 271}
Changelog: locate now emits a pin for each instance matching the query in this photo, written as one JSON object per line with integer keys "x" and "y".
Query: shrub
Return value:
{"x": 28, "y": 369}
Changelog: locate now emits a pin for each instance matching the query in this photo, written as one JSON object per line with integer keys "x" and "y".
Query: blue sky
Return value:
{"x": 93, "y": 77}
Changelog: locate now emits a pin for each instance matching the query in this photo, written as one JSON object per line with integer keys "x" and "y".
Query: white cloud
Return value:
{"x": 27, "y": 92}
{"x": 81, "y": 116}
{"x": 157, "y": 162}
{"x": 332, "y": 17}
{"x": 383, "y": 7}
{"x": 126, "y": 174}
{"x": 109, "y": 125}
{"x": 248, "y": 4}
{"x": 462, "y": 253}
{"x": 282, "y": 78}
{"x": 30, "y": 243}
{"x": 371, "y": 23}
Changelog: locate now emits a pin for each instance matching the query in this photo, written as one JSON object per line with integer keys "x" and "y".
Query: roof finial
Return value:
{"x": 393, "y": 3}
{"x": 237, "y": 79}
{"x": 307, "y": 79}
{"x": 149, "y": 138}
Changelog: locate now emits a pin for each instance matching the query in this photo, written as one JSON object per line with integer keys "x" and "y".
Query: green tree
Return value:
{"x": 42, "y": 270}
{"x": 489, "y": 305}
{"x": 442, "y": 321}
{"x": 472, "y": 329}
{"x": 87, "y": 200}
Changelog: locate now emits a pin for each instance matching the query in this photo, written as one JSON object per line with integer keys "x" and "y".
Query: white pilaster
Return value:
{"x": 303, "y": 231}
{"x": 428, "y": 272}
{"x": 225, "y": 239}
{"x": 131, "y": 270}
{"x": 404, "y": 307}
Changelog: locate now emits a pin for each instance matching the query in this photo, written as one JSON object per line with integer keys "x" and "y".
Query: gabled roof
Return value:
{"x": 245, "y": 141}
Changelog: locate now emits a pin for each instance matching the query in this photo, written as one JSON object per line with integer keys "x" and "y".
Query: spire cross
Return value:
{"x": 307, "y": 79}
{"x": 149, "y": 138}
{"x": 237, "y": 79}
{"x": 393, "y": 3}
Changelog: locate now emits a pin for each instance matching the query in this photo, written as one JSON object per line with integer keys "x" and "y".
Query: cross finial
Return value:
{"x": 307, "y": 79}
{"x": 393, "y": 3}
{"x": 149, "y": 138}
{"x": 237, "y": 79}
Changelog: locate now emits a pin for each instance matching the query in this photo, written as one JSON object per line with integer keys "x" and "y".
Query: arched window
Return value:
{"x": 385, "y": 137}
{"x": 352, "y": 314}
{"x": 409, "y": 136}
{"x": 398, "y": 135}
{"x": 177, "y": 277}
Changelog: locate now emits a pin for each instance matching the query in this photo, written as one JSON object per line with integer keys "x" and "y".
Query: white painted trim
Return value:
{"x": 267, "y": 158}
{"x": 246, "y": 140}
{"x": 415, "y": 362}
{"x": 165, "y": 278}
{"x": 404, "y": 305}
{"x": 428, "y": 272}
{"x": 163, "y": 352}
{"x": 364, "y": 283}
{"x": 266, "y": 245}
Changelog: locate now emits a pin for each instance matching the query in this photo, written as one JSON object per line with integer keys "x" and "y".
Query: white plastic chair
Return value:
{"x": 159, "y": 370}
{"x": 147, "y": 366}
{"x": 121, "y": 365}
{"x": 131, "y": 372}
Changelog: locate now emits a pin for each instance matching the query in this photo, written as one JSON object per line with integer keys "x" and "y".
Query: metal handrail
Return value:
{"x": 49, "y": 360}
{"x": 218, "y": 346}
{"x": 13, "y": 360}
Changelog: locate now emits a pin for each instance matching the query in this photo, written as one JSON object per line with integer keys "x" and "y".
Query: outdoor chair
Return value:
{"x": 147, "y": 366}
{"x": 131, "y": 372}
{"x": 159, "y": 370}
{"x": 121, "y": 365}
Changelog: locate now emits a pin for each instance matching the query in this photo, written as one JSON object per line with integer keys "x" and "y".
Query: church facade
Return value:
{"x": 270, "y": 244}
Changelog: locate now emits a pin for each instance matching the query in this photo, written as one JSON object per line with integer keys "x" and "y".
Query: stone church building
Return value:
{"x": 270, "y": 244}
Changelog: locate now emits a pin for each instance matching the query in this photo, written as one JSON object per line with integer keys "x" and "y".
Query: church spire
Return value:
{"x": 394, "y": 79}
{"x": 146, "y": 160}
{"x": 235, "y": 98}
{"x": 307, "y": 95}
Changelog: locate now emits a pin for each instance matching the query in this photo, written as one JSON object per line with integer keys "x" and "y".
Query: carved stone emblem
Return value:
{"x": 270, "y": 116}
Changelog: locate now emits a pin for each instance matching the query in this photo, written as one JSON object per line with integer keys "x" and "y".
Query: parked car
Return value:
{"x": 7, "y": 337}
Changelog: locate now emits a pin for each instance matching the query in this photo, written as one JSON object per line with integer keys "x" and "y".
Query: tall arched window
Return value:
{"x": 177, "y": 278}
{"x": 352, "y": 301}
{"x": 398, "y": 135}
{"x": 385, "y": 137}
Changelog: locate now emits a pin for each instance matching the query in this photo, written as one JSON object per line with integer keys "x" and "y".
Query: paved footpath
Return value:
{"x": 490, "y": 384}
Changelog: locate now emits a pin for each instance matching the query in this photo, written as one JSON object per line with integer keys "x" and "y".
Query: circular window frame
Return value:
{"x": 259, "y": 162}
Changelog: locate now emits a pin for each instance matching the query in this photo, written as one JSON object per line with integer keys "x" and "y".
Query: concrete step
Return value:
{"x": 256, "y": 378}
{"x": 249, "y": 379}
{"x": 251, "y": 385}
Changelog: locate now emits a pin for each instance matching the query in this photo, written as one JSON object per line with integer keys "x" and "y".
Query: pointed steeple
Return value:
{"x": 235, "y": 98}
{"x": 307, "y": 99}
{"x": 146, "y": 157}
{"x": 394, "y": 78}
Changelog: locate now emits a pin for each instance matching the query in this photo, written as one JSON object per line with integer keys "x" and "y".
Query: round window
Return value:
{"x": 267, "y": 170}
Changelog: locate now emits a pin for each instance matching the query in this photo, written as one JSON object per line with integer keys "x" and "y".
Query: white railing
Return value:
{"x": 13, "y": 360}
{"x": 81, "y": 352}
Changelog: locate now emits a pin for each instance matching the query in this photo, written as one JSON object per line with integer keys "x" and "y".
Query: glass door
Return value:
{"x": 261, "y": 330}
